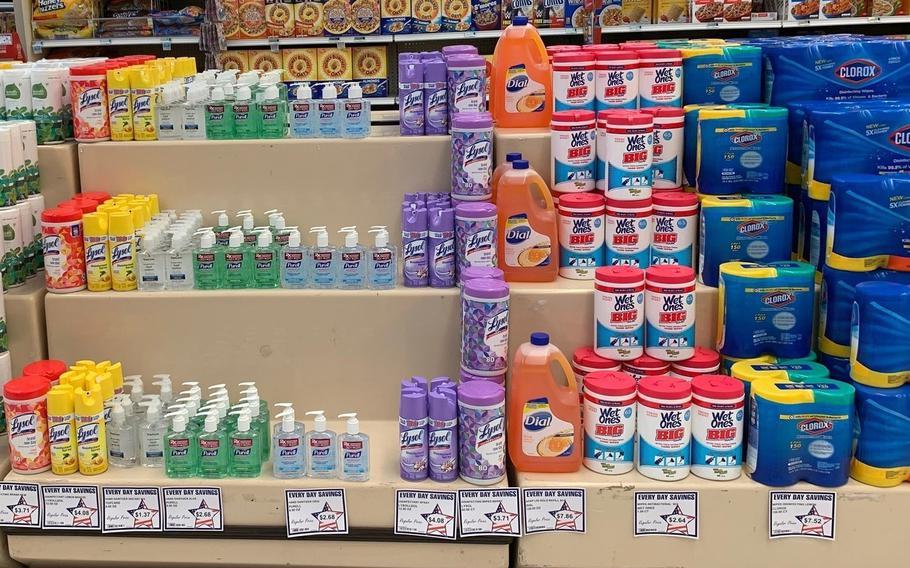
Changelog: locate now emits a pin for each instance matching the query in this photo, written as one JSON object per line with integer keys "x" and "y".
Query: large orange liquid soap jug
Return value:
{"x": 544, "y": 433}
{"x": 522, "y": 78}
{"x": 527, "y": 230}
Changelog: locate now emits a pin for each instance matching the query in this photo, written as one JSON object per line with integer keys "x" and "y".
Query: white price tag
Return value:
{"x": 794, "y": 514}
{"x": 316, "y": 511}
{"x": 554, "y": 510}
{"x": 20, "y": 505}
{"x": 129, "y": 509}
{"x": 673, "y": 513}
{"x": 489, "y": 512}
{"x": 426, "y": 513}
{"x": 71, "y": 507}
{"x": 193, "y": 509}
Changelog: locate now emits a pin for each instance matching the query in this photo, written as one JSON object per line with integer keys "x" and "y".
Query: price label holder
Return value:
{"x": 316, "y": 512}
{"x": 72, "y": 507}
{"x": 130, "y": 509}
{"x": 673, "y": 513}
{"x": 20, "y": 505}
{"x": 429, "y": 514}
{"x": 197, "y": 509}
{"x": 274, "y": 44}
{"x": 489, "y": 512}
{"x": 554, "y": 509}
{"x": 809, "y": 514}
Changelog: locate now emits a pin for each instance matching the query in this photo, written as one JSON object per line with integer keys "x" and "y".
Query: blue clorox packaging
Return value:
{"x": 838, "y": 367}
{"x": 835, "y": 307}
{"x": 766, "y": 309}
{"x": 882, "y": 456}
{"x": 727, "y": 362}
{"x": 879, "y": 349}
{"x": 690, "y": 140}
{"x": 721, "y": 74}
{"x": 741, "y": 150}
{"x": 800, "y": 431}
{"x": 748, "y": 228}
{"x": 869, "y": 222}
{"x": 835, "y": 70}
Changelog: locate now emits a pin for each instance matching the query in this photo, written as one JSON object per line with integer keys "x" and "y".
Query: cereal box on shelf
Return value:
{"x": 551, "y": 14}
{"x": 575, "y": 13}
{"x": 456, "y": 15}
{"x": 365, "y": 17}
{"x": 334, "y": 64}
{"x": 802, "y": 9}
{"x": 337, "y": 17}
{"x": 251, "y": 19}
{"x": 299, "y": 64}
{"x": 231, "y": 23}
{"x": 512, "y": 8}
{"x": 264, "y": 60}
{"x": 395, "y": 16}
{"x": 70, "y": 19}
{"x": 671, "y": 11}
{"x": 608, "y": 13}
{"x": 888, "y": 7}
{"x": 426, "y": 16}
{"x": 707, "y": 11}
{"x": 737, "y": 10}
{"x": 235, "y": 59}
{"x": 279, "y": 18}
{"x": 309, "y": 18}
{"x": 487, "y": 14}
{"x": 371, "y": 70}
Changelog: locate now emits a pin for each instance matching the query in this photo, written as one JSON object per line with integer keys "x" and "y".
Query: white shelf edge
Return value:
{"x": 85, "y": 42}
{"x": 687, "y": 26}
{"x": 295, "y": 41}
{"x": 871, "y": 20}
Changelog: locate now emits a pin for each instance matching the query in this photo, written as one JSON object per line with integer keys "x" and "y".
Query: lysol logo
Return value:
{"x": 745, "y": 138}
{"x": 51, "y": 245}
{"x": 122, "y": 252}
{"x": 412, "y": 100}
{"x": 497, "y": 324}
{"x": 901, "y": 137}
{"x": 477, "y": 152}
{"x": 440, "y": 439}
{"x": 725, "y": 73}
{"x": 815, "y": 426}
{"x": 445, "y": 249}
{"x": 752, "y": 228}
{"x": 778, "y": 299}
{"x": 412, "y": 438}
{"x": 96, "y": 253}
{"x": 481, "y": 240}
{"x": 87, "y": 434}
{"x": 415, "y": 249}
{"x": 537, "y": 421}
{"x": 142, "y": 104}
{"x": 89, "y": 98}
{"x": 59, "y": 433}
{"x": 469, "y": 89}
{"x": 490, "y": 431}
{"x": 858, "y": 71}
{"x": 120, "y": 104}
{"x": 22, "y": 424}
{"x": 437, "y": 98}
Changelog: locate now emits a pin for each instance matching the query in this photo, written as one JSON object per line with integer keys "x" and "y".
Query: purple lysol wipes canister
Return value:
{"x": 482, "y": 432}
{"x": 414, "y": 247}
{"x": 435, "y": 96}
{"x": 412, "y": 433}
{"x": 442, "y": 247}
{"x": 475, "y": 235}
{"x": 443, "y": 435}
{"x": 452, "y": 50}
{"x": 472, "y": 156}
{"x": 467, "y": 78}
{"x": 485, "y": 327}
{"x": 410, "y": 97}
{"x": 467, "y": 377}
{"x": 472, "y": 272}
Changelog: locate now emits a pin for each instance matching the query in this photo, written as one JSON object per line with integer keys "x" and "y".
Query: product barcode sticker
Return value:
{"x": 71, "y": 507}
{"x": 193, "y": 509}
{"x": 489, "y": 512}
{"x": 673, "y": 513}
{"x": 431, "y": 514}
{"x": 557, "y": 509}
{"x": 316, "y": 512}
{"x": 130, "y": 509}
{"x": 809, "y": 514}
{"x": 20, "y": 505}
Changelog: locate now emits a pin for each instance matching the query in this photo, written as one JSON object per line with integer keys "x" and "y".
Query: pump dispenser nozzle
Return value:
{"x": 319, "y": 421}
{"x": 353, "y": 425}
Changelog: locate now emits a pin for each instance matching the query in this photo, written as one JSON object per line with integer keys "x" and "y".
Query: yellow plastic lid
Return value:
{"x": 749, "y": 269}
{"x": 106, "y": 381}
{"x": 724, "y": 200}
{"x": 139, "y": 216}
{"x": 74, "y": 378}
{"x": 121, "y": 224}
{"x": 94, "y": 224}
{"x": 102, "y": 366}
{"x": 87, "y": 363}
{"x": 116, "y": 371}
{"x": 186, "y": 67}
{"x": 88, "y": 400}
{"x": 60, "y": 400}
{"x": 153, "y": 203}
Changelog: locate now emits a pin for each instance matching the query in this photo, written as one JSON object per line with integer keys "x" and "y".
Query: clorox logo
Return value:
{"x": 725, "y": 73}
{"x": 858, "y": 71}
{"x": 815, "y": 426}
{"x": 901, "y": 137}
{"x": 748, "y": 138}
{"x": 752, "y": 228}
{"x": 778, "y": 299}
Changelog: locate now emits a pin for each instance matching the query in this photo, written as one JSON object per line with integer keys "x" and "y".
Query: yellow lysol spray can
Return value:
{"x": 120, "y": 104}
{"x": 91, "y": 435}
{"x": 97, "y": 253}
{"x": 61, "y": 428}
{"x": 143, "y": 84}
{"x": 123, "y": 251}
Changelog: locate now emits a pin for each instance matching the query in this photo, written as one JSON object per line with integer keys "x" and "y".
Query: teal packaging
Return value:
{"x": 741, "y": 150}
{"x": 728, "y": 362}
{"x": 722, "y": 74}
{"x": 801, "y": 432}
{"x": 690, "y": 140}
{"x": 748, "y": 228}
{"x": 766, "y": 309}
{"x": 882, "y": 456}
{"x": 879, "y": 353}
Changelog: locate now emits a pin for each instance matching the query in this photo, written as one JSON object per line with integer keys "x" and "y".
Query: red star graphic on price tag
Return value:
{"x": 501, "y": 519}
{"x": 813, "y": 522}
{"x": 82, "y": 514}
{"x": 566, "y": 517}
{"x": 204, "y": 516}
{"x": 677, "y": 521}
{"x": 22, "y": 511}
{"x": 437, "y": 521}
{"x": 143, "y": 516}
{"x": 328, "y": 519}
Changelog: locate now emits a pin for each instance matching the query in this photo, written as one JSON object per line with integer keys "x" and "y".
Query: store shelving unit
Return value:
{"x": 5, "y": 560}
{"x": 164, "y": 42}
{"x": 25, "y": 320}
{"x": 58, "y": 166}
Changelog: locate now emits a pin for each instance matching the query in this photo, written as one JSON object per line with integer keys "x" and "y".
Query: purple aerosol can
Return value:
{"x": 410, "y": 97}
{"x": 441, "y": 248}
{"x": 443, "y": 435}
{"x": 435, "y": 97}
{"x": 412, "y": 433}
{"x": 414, "y": 246}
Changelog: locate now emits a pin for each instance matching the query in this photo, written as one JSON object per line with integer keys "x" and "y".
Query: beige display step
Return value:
{"x": 533, "y": 143}
{"x": 259, "y": 502}
{"x": 5, "y": 560}
{"x": 25, "y": 322}
{"x": 333, "y": 347}
{"x": 58, "y": 165}
{"x": 733, "y": 528}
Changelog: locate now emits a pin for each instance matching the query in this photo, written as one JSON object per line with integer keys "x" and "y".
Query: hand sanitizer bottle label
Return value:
{"x": 352, "y": 459}
{"x": 321, "y": 455}
{"x": 302, "y": 124}
{"x": 323, "y": 270}
{"x": 351, "y": 272}
{"x": 383, "y": 273}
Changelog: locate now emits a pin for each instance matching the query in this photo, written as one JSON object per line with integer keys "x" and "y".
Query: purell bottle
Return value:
{"x": 329, "y": 114}
{"x": 323, "y": 260}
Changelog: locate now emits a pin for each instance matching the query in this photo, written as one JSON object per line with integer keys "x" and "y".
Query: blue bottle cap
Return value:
{"x": 540, "y": 338}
